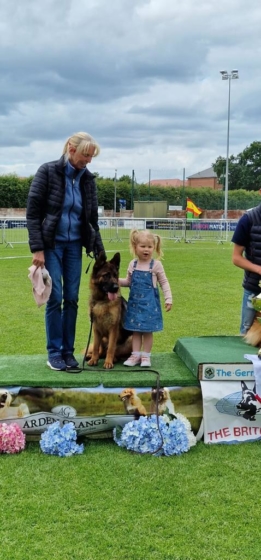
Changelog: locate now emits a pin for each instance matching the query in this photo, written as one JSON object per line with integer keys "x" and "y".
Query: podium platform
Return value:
{"x": 91, "y": 399}
{"x": 231, "y": 408}
{"x": 216, "y": 357}
{"x": 204, "y": 376}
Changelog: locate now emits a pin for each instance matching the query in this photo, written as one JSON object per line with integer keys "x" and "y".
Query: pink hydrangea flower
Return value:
{"x": 12, "y": 438}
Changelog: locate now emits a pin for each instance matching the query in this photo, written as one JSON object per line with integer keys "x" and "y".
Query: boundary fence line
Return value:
{"x": 14, "y": 230}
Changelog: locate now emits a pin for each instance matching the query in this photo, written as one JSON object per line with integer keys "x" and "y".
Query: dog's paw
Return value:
{"x": 92, "y": 362}
{"x": 108, "y": 365}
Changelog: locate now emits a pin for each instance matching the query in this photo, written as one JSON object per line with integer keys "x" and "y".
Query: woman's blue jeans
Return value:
{"x": 64, "y": 264}
{"x": 248, "y": 313}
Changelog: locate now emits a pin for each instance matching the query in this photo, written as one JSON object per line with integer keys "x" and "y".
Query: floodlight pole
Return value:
{"x": 225, "y": 76}
{"x": 115, "y": 192}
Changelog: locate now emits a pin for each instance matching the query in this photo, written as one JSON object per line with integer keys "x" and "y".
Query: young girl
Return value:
{"x": 143, "y": 315}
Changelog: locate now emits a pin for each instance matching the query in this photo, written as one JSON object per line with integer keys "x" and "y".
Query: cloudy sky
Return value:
{"x": 141, "y": 76}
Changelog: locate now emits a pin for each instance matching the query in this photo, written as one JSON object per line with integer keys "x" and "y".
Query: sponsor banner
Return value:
{"x": 104, "y": 223}
{"x": 231, "y": 412}
{"x": 156, "y": 224}
{"x": 134, "y": 224}
{"x": 35, "y": 424}
{"x": 93, "y": 410}
{"x": 227, "y": 372}
{"x": 213, "y": 226}
{"x": 11, "y": 224}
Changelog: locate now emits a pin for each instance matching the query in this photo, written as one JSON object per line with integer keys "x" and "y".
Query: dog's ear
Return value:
{"x": 244, "y": 386}
{"x": 116, "y": 260}
{"x": 101, "y": 259}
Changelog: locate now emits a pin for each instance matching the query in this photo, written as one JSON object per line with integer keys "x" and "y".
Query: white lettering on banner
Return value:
{"x": 213, "y": 372}
{"x": 231, "y": 412}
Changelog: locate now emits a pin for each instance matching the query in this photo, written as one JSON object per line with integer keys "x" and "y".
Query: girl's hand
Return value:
{"x": 168, "y": 306}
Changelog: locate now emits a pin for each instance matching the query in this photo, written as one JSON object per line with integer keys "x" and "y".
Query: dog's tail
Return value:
{"x": 253, "y": 335}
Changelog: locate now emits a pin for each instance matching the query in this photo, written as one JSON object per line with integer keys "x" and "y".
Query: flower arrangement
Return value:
{"x": 162, "y": 435}
{"x": 12, "y": 438}
{"x": 61, "y": 441}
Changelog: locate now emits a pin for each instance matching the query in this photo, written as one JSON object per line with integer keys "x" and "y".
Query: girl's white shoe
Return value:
{"x": 133, "y": 360}
{"x": 145, "y": 360}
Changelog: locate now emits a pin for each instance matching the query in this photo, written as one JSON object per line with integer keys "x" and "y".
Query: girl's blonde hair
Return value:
{"x": 81, "y": 141}
{"x": 136, "y": 236}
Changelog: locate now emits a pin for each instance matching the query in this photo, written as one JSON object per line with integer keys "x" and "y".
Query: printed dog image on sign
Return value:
{"x": 95, "y": 410}
{"x": 246, "y": 403}
{"x": 9, "y": 411}
{"x": 232, "y": 412}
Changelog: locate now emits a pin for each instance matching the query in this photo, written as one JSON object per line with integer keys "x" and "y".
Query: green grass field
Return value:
{"x": 206, "y": 290}
{"x": 110, "y": 504}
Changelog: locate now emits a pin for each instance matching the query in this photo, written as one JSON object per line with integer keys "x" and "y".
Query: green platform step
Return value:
{"x": 180, "y": 368}
{"x": 193, "y": 352}
{"x": 32, "y": 371}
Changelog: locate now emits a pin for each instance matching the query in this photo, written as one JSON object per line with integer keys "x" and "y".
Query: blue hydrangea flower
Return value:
{"x": 157, "y": 435}
{"x": 61, "y": 441}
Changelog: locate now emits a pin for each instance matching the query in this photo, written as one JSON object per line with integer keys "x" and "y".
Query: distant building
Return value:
{"x": 206, "y": 178}
{"x": 167, "y": 183}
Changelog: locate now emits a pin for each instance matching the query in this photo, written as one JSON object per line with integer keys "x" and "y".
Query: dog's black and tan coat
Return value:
{"x": 107, "y": 306}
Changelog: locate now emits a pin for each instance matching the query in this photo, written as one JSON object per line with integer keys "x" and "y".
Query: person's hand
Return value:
{"x": 38, "y": 259}
{"x": 168, "y": 306}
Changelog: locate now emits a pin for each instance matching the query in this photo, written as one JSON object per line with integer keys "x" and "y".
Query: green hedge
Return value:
{"x": 14, "y": 193}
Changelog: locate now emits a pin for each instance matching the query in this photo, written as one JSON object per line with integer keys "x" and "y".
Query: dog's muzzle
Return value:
{"x": 111, "y": 290}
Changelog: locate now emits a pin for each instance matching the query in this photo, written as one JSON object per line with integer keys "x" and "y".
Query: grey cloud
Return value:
{"x": 141, "y": 76}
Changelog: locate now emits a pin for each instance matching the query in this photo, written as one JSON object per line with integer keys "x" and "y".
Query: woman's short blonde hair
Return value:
{"x": 82, "y": 142}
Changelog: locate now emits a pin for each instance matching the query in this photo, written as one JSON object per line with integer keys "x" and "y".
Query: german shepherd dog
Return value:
{"x": 107, "y": 306}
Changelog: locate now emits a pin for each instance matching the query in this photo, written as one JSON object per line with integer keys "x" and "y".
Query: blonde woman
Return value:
{"x": 62, "y": 217}
{"x": 143, "y": 315}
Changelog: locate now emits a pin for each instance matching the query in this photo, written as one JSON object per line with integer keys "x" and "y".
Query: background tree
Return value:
{"x": 244, "y": 170}
{"x": 250, "y": 162}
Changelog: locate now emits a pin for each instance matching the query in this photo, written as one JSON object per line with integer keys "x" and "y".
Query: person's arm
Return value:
{"x": 238, "y": 259}
{"x": 164, "y": 284}
{"x": 126, "y": 282}
{"x": 35, "y": 214}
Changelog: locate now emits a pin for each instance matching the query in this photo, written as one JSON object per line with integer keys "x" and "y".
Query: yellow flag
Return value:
{"x": 191, "y": 207}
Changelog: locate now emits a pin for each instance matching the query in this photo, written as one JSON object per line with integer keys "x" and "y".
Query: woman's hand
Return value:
{"x": 38, "y": 259}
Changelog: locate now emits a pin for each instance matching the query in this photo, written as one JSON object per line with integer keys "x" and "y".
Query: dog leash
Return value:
{"x": 79, "y": 370}
{"x": 83, "y": 368}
